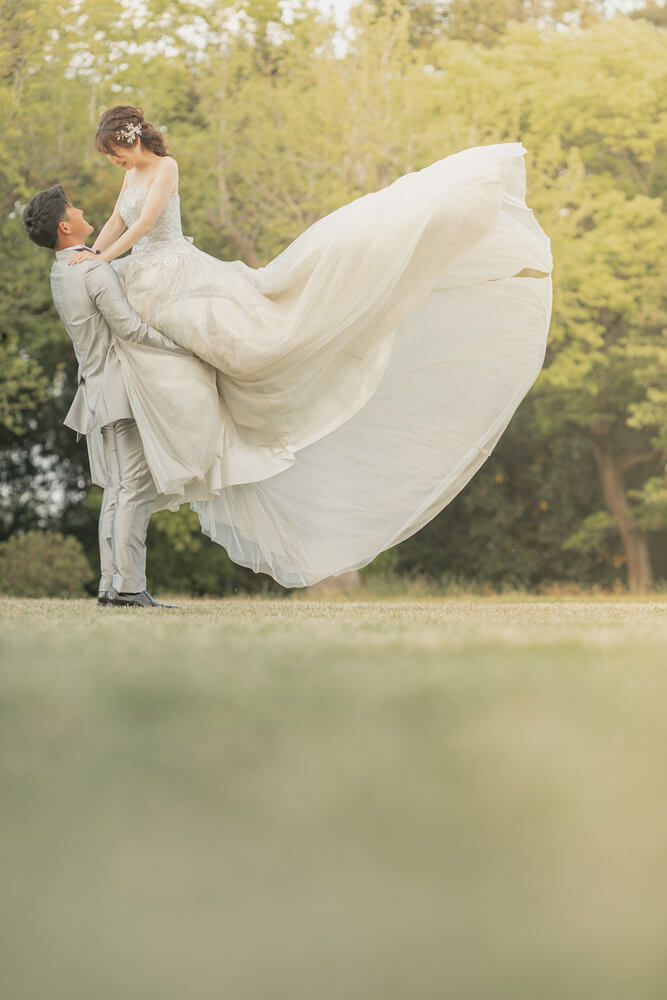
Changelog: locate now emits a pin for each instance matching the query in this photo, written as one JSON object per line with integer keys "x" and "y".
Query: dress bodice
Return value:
{"x": 167, "y": 227}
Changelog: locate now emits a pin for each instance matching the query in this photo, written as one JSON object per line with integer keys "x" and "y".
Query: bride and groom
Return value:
{"x": 317, "y": 410}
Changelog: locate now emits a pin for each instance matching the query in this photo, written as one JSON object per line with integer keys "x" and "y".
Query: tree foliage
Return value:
{"x": 43, "y": 564}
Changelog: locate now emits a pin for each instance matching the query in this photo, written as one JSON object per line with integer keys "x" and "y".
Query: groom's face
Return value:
{"x": 74, "y": 225}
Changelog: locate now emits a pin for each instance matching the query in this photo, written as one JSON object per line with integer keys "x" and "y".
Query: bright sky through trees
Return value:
{"x": 339, "y": 7}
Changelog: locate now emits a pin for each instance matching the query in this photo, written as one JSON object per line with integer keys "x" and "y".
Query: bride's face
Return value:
{"x": 125, "y": 156}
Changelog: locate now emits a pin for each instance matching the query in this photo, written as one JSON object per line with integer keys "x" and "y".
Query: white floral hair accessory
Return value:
{"x": 129, "y": 133}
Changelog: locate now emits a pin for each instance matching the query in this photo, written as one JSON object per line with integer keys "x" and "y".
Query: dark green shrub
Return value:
{"x": 43, "y": 564}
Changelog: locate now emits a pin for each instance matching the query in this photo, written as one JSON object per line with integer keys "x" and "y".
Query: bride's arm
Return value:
{"x": 112, "y": 228}
{"x": 164, "y": 184}
{"x": 109, "y": 233}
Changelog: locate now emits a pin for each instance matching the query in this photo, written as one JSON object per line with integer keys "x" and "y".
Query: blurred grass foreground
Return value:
{"x": 259, "y": 799}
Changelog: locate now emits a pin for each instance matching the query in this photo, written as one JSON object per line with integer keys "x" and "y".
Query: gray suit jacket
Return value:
{"x": 91, "y": 303}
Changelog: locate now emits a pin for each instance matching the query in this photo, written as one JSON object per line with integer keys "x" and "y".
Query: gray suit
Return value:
{"x": 92, "y": 305}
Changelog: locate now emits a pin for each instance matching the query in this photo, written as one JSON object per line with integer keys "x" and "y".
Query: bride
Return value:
{"x": 362, "y": 377}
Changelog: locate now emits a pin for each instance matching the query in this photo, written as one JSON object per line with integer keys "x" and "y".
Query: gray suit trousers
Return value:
{"x": 127, "y": 504}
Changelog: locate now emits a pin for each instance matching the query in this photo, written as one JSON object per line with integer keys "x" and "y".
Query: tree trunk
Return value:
{"x": 640, "y": 574}
{"x": 245, "y": 250}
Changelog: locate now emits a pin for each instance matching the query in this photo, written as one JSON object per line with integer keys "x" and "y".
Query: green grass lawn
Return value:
{"x": 309, "y": 800}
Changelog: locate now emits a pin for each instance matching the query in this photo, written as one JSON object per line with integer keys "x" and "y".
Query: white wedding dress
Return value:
{"x": 347, "y": 391}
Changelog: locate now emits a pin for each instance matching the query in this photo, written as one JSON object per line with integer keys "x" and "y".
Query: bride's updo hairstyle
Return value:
{"x": 122, "y": 126}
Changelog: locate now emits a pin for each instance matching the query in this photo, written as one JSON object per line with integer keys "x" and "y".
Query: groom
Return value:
{"x": 92, "y": 305}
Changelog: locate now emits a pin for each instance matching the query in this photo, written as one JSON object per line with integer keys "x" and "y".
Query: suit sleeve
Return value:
{"x": 106, "y": 292}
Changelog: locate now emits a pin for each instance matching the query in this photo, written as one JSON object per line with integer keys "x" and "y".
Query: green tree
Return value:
{"x": 604, "y": 177}
{"x": 43, "y": 564}
{"x": 596, "y": 173}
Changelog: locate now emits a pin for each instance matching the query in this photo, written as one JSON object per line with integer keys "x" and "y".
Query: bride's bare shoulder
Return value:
{"x": 167, "y": 172}
{"x": 169, "y": 165}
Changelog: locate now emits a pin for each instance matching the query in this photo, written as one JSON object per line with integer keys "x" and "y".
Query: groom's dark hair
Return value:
{"x": 42, "y": 215}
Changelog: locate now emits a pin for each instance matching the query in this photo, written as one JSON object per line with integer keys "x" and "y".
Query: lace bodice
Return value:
{"x": 167, "y": 228}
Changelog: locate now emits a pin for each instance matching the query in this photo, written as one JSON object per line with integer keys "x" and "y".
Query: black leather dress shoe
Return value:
{"x": 141, "y": 600}
{"x": 103, "y": 599}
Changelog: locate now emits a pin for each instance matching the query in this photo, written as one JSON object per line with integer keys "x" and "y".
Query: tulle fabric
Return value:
{"x": 344, "y": 394}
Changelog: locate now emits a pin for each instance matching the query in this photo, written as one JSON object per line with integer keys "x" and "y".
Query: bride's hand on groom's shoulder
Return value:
{"x": 76, "y": 258}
